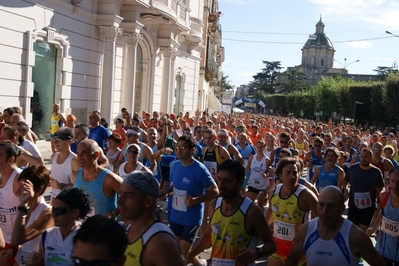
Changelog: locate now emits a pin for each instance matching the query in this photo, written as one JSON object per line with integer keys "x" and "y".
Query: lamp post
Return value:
{"x": 345, "y": 65}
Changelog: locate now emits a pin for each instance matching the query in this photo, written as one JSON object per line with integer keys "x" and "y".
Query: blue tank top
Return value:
{"x": 351, "y": 153}
{"x": 99, "y": 202}
{"x": 327, "y": 178}
{"x": 387, "y": 242}
{"x": 316, "y": 162}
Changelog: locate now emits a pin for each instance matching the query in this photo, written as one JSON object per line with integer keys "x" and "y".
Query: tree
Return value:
{"x": 382, "y": 72}
{"x": 266, "y": 80}
{"x": 292, "y": 81}
{"x": 226, "y": 83}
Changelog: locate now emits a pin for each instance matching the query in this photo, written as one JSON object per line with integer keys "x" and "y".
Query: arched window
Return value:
{"x": 177, "y": 94}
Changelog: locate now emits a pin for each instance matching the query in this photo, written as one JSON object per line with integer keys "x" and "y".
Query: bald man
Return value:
{"x": 330, "y": 239}
{"x": 100, "y": 183}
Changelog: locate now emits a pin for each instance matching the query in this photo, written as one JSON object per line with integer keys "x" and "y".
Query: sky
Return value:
{"x": 276, "y": 30}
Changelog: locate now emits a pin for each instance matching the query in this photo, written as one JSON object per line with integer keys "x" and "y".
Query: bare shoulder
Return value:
{"x": 111, "y": 176}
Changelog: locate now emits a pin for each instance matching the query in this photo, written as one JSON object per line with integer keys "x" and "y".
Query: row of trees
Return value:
{"x": 374, "y": 102}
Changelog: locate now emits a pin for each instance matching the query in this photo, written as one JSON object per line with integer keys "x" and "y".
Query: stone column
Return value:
{"x": 108, "y": 76}
{"x": 129, "y": 69}
{"x": 172, "y": 80}
{"x": 166, "y": 69}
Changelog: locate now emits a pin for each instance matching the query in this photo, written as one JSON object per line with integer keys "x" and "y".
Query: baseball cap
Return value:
{"x": 134, "y": 145}
{"x": 143, "y": 182}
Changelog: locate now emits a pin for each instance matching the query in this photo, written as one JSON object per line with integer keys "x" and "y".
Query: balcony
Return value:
{"x": 195, "y": 30}
{"x": 213, "y": 17}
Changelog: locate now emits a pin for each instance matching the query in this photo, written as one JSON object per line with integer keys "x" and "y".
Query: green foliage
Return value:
{"x": 226, "y": 83}
{"x": 392, "y": 98}
{"x": 378, "y": 103}
{"x": 292, "y": 81}
{"x": 266, "y": 80}
{"x": 336, "y": 94}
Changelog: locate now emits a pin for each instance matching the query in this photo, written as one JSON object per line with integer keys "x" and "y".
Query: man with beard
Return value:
{"x": 365, "y": 184}
{"x": 146, "y": 234}
{"x": 191, "y": 186}
{"x": 330, "y": 239}
{"x": 236, "y": 223}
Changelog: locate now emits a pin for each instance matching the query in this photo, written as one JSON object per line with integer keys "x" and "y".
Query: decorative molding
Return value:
{"x": 131, "y": 38}
{"x": 110, "y": 32}
{"x": 76, "y": 4}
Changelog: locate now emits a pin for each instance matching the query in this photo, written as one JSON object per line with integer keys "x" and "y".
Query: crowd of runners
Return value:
{"x": 250, "y": 186}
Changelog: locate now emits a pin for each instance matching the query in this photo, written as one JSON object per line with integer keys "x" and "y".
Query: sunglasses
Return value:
{"x": 80, "y": 262}
{"x": 130, "y": 135}
{"x": 57, "y": 139}
{"x": 133, "y": 152}
{"x": 284, "y": 141}
{"x": 59, "y": 211}
{"x": 317, "y": 146}
{"x": 181, "y": 147}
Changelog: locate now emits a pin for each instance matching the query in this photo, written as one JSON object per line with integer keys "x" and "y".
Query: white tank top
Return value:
{"x": 257, "y": 169}
{"x": 123, "y": 174}
{"x": 32, "y": 245}
{"x": 8, "y": 206}
{"x": 331, "y": 252}
{"x": 57, "y": 251}
{"x": 61, "y": 172}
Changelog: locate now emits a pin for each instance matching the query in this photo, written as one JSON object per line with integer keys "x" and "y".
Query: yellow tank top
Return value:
{"x": 300, "y": 146}
{"x": 396, "y": 158}
{"x": 55, "y": 120}
{"x": 134, "y": 250}
{"x": 229, "y": 234}
{"x": 287, "y": 218}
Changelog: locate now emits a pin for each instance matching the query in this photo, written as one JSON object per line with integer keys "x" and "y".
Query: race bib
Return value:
{"x": 22, "y": 256}
{"x": 362, "y": 200}
{"x": 54, "y": 122}
{"x": 257, "y": 182}
{"x": 178, "y": 200}
{"x": 222, "y": 262}
{"x": 390, "y": 227}
{"x": 211, "y": 166}
{"x": 284, "y": 231}
{"x": 5, "y": 218}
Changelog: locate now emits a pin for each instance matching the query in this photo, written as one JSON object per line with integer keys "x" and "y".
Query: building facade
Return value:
{"x": 87, "y": 55}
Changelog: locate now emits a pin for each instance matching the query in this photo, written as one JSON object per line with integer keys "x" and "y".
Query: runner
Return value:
{"x": 235, "y": 224}
{"x": 330, "y": 240}
{"x": 289, "y": 209}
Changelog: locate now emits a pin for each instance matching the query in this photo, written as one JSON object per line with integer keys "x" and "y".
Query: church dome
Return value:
{"x": 319, "y": 38}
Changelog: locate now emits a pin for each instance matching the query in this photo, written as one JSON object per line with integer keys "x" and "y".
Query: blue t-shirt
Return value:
{"x": 192, "y": 180}
{"x": 100, "y": 134}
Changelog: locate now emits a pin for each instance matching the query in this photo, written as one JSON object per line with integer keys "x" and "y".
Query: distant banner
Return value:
{"x": 252, "y": 105}
{"x": 238, "y": 102}
{"x": 262, "y": 104}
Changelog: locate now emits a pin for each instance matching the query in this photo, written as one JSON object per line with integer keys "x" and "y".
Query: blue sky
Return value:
{"x": 355, "y": 27}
